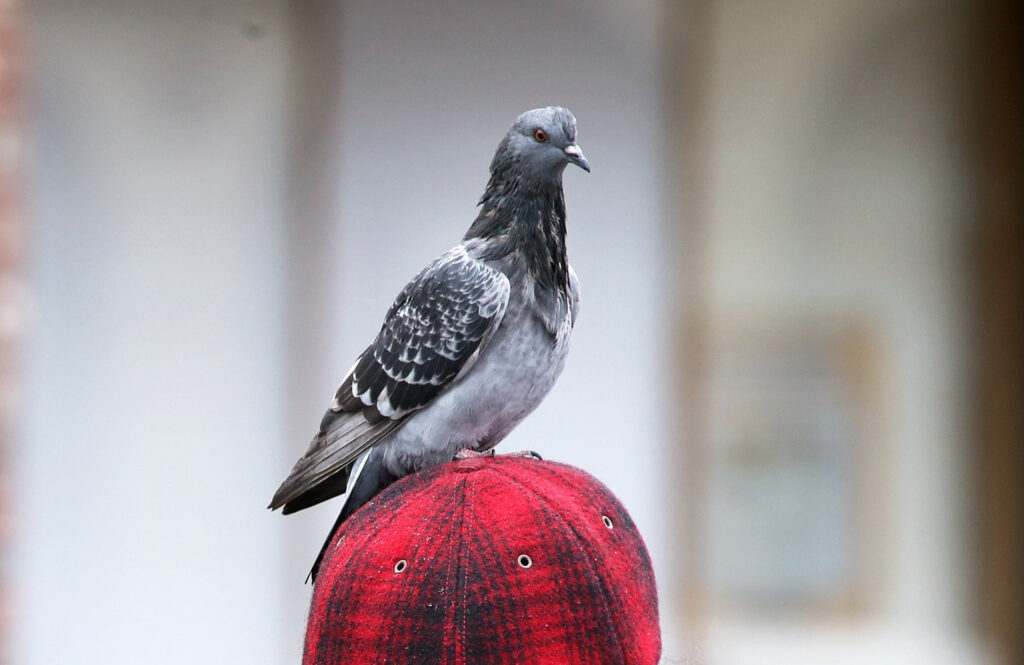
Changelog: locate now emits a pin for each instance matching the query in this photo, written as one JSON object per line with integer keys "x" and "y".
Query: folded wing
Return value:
{"x": 431, "y": 336}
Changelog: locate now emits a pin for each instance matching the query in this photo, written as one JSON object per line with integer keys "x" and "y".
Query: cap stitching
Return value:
{"x": 604, "y": 600}
{"x": 450, "y": 578}
{"x": 466, "y": 501}
{"x": 455, "y": 559}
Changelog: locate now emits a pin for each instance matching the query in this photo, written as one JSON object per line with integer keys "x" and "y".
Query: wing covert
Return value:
{"x": 432, "y": 333}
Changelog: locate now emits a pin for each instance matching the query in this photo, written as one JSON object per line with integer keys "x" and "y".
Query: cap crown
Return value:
{"x": 487, "y": 561}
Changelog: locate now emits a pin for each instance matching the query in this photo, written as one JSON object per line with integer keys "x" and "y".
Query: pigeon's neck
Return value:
{"x": 526, "y": 218}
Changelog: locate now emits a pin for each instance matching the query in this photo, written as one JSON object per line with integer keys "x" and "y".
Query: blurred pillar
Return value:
{"x": 1001, "y": 330}
{"x": 314, "y": 93}
{"x": 687, "y": 51}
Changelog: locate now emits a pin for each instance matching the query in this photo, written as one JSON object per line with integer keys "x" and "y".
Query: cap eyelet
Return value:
{"x": 607, "y": 521}
{"x": 401, "y": 566}
{"x": 524, "y": 561}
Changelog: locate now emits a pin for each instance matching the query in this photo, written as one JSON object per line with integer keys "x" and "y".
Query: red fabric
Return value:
{"x": 463, "y": 598}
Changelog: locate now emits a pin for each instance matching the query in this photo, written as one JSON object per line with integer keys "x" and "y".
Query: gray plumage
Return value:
{"x": 470, "y": 346}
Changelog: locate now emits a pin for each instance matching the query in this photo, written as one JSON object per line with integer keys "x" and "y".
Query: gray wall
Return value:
{"x": 152, "y": 437}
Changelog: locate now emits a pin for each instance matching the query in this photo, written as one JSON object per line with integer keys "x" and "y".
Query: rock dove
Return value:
{"x": 470, "y": 346}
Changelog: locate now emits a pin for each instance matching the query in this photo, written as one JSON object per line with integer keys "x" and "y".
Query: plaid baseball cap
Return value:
{"x": 486, "y": 561}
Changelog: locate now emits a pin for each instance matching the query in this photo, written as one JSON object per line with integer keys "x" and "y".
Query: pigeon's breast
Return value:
{"x": 513, "y": 375}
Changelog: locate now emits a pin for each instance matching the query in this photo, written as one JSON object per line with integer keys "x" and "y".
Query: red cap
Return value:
{"x": 487, "y": 561}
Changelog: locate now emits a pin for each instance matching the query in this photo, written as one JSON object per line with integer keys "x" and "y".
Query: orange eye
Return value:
{"x": 540, "y": 136}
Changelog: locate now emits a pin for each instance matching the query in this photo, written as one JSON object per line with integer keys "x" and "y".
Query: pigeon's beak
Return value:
{"x": 575, "y": 156}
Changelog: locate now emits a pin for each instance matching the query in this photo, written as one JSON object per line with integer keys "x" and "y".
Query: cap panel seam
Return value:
{"x": 453, "y": 578}
{"x": 463, "y": 563}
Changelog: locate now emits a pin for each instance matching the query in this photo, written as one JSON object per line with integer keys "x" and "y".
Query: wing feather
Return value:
{"x": 432, "y": 335}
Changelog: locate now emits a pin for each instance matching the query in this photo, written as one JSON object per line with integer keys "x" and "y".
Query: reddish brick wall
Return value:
{"x": 11, "y": 235}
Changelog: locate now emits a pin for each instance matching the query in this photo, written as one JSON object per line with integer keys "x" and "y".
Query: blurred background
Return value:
{"x": 798, "y": 360}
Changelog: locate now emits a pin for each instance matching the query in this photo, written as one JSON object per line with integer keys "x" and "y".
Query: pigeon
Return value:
{"x": 469, "y": 347}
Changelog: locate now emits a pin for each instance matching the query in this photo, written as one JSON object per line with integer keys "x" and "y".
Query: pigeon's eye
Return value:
{"x": 540, "y": 136}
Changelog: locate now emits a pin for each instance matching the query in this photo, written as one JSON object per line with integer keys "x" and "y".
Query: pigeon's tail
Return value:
{"x": 322, "y": 473}
{"x": 367, "y": 478}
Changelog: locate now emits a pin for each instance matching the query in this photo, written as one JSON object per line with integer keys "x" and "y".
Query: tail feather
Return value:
{"x": 322, "y": 472}
{"x": 367, "y": 479}
{"x": 327, "y": 489}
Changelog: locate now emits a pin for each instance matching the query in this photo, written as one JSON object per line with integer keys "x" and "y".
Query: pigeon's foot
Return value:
{"x": 466, "y": 453}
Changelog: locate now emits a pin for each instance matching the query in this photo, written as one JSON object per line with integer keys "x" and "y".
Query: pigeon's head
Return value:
{"x": 540, "y": 144}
